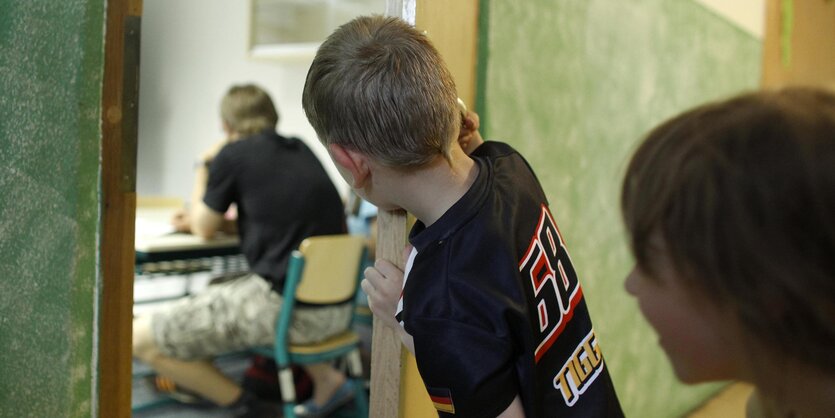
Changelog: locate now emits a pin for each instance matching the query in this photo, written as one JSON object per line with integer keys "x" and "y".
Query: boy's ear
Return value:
{"x": 352, "y": 163}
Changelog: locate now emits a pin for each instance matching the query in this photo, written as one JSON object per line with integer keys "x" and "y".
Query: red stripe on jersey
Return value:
{"x": 542, "y": 349}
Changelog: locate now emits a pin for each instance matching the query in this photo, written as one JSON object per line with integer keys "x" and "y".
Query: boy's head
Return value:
{"x": 739, "y": 197}
{"x": 247, "y": 110}
{"x": 377, "y": 86}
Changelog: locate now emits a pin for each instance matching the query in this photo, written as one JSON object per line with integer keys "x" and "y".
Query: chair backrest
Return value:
{"x": 152, "y": 201}
{"x": 331, "y": 268}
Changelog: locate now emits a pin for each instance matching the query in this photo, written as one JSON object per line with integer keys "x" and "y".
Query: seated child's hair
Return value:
{"x": 379, "y": 86}
{"x": 247, "y": 109}
{"x": 742, "y": 193}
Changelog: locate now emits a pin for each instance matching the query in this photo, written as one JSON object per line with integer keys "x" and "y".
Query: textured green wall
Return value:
{"x": 574, "y": 84}
{"x": 51, "y": 55}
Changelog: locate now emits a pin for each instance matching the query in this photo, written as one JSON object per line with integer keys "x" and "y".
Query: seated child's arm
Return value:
{"x": 181, "y": 221}
{"x": 204, "y": 220}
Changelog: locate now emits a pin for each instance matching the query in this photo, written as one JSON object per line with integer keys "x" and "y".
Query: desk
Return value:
{"x": 157, "y": 242}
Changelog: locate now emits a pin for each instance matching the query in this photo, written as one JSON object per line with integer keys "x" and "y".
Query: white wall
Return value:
{"x": 192, "y": 51}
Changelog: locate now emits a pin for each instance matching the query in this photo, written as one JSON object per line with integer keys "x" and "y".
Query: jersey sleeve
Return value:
{"x": 467, "y": 371}
{"x": 221, "y": 188}
{"x": 493, "y": 149}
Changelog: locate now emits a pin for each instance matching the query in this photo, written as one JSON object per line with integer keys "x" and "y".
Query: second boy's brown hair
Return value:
{"x": 379, "y": 87}
{"x": 741, "y": 195}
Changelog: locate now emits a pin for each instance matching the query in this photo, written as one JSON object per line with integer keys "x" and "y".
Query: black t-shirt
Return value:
{"x": 283, "y": 196}
{"x": 495, "y": 307}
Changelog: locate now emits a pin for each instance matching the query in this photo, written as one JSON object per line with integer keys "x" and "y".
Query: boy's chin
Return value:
{"x": 694, "y": 374}
{"x": 386, "y": 207}
{"x": 381, "y": 205}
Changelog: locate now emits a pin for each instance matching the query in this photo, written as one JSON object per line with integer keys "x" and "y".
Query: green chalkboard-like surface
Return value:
{"x": 51, "y": 55}
{"x": 574, "y": 84}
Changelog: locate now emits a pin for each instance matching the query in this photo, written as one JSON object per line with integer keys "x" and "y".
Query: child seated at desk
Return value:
{"x": 283, "y": 195}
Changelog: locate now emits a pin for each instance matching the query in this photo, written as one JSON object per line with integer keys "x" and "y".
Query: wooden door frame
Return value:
{"x": 119, "y": 113}
{"x": 395, "y": 383}
{"x": 799, "y": 49}
{"x": 119, "y": 148}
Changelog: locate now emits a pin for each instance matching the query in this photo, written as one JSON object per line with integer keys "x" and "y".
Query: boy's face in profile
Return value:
{"x": 701, "y": 342}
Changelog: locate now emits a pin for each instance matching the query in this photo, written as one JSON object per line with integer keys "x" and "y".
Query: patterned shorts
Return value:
{"x": 236, "y": 315}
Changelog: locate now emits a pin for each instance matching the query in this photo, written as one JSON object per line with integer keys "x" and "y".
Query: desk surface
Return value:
{"x": 155, "y": 239}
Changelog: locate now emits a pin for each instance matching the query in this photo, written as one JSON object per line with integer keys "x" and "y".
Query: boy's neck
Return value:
{"x": 430, "y": 191}
{"x": 801, "y": 391}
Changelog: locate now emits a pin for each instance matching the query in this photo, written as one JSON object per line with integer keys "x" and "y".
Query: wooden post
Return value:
{"x": 799, "y": 43}
{"x": 396, "y": 388}
{"x": 386, "y": 353}
{"x": 119, "y": 123}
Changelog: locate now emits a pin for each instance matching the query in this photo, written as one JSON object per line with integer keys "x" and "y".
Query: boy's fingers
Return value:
{"x": 473, "y": 118}
{"x": 387, "y": 270}
{"x": 367, "y": 287}
{"x": 377, "y": 286}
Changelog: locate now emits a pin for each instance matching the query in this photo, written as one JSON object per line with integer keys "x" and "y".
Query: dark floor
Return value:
{"x": 144, "y": 394}
{"x": 234, "y": 366}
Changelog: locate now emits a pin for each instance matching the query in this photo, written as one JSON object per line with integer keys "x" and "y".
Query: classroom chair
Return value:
{"x": 324, "y": 270}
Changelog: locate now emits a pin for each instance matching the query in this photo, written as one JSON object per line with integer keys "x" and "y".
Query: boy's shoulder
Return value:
{"x": 267, "y": 143}
{"x": 492, "y": 149}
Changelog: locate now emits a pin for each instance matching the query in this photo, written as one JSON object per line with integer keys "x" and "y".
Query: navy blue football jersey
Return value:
{"x": 495, "y": 306}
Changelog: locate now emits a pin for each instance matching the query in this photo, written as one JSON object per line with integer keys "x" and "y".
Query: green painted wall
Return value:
{"x": 574, "y": 84}
{"x": 51, "y": 55}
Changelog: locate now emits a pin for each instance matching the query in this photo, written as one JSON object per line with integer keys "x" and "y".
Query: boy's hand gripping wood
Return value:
{"x": 386, "y": 359}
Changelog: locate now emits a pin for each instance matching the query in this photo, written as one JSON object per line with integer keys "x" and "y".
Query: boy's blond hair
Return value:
{"x": 247, "y": 110}
{"x": 379, "y": 87}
